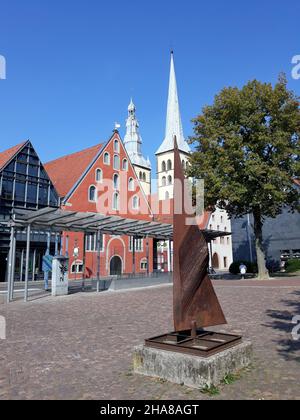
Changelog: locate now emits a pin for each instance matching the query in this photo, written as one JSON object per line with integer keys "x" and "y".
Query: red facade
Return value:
{"x": 107, "y": 185}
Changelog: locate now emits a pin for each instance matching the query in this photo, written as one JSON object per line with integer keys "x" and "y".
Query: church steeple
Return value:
{"x": 174, "y": 123}
{"x": 133, "y": 144}
{"x": 165, "y": 154}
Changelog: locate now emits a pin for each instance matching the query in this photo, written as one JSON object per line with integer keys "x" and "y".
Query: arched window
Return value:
{"x": 170, "y": 180}
{"x": 163, "y": 166}
{"x": 116, "y": 201}
{"x": 141, "y": 176}
{"x": 116, "y": 182}
{"x": 116, "y": 146}
{"x": 125, "y": 165}
{"x": 144, "y": 264}
{"x": 170, "y": 166}
{"x": 135, "y": 203}
{"x": 167, "y": 197}
{"x": 131, "y": 184}
{"x": 164, "y": 181}
{"x": 99, "y": 175}
{"x": 92, "y": 194}
{"x": 144, "y": 177}
{"x": 116, "y": 163}
{"x": 106, "y": 158}
{"x": 183, "y": 165}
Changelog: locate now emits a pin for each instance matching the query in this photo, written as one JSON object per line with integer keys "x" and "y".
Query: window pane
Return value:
{"x": 20, "y": 191}
{"x": 116, "y": 162}
{"x": 31, "y": 193}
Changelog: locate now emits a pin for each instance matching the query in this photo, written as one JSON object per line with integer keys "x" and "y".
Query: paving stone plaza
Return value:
{"x": 81, "y": 346}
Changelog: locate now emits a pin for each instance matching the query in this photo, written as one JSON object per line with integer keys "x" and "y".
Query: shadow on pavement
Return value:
{"x": 282, "y": 322}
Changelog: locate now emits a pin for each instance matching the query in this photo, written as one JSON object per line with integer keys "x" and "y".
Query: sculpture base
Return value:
{"x": 190, "y": 370}
{"x": 195, "y": 342}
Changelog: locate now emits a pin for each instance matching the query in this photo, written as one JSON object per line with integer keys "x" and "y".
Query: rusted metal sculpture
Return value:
{"x": 195, "y": 301}
{"x": 196, "y": 305}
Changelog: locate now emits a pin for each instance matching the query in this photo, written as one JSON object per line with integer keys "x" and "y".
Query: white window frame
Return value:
{"x": 116, "y": 142}
{"x": 118, "y": 186}
{"x": 106, "y": 154}
{"x": 91, "y": 239}
{"x": 131, "y": 182}
{"x": 144, "y": 261}
{"x": 139, "y": 244}
{"x": 119, "y": 163}
{"x": 76, "y": 265}
{"x": 99, "y": 170}
{"x": 89, "y": 194}
{"x": 113, "y": 203}
{"x": 125, "y": 165}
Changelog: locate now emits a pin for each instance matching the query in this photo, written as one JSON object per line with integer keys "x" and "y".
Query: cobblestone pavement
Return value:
{"x": 80, "y": 346}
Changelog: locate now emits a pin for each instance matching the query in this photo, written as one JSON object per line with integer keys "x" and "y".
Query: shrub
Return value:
{"x": 292, "y": 266}
{"x": 235, "y": 267}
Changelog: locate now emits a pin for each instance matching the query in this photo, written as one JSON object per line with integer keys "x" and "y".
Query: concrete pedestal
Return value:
{"x": 192, "y": 371}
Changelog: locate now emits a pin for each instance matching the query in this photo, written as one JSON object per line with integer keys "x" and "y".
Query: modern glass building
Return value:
{"x": 24, "y": 184}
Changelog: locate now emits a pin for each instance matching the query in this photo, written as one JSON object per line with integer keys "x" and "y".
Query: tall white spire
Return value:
{"x": 133, "y": 140}
{"x": 174, "y": 123}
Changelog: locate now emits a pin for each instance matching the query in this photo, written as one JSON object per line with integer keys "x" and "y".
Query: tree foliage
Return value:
{"x": 247, "y": 149}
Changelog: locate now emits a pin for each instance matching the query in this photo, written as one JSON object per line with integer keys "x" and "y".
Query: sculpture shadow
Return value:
{"x": 281, "y": 321}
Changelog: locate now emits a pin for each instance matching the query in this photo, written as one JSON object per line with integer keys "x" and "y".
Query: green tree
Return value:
{"x": 247, "y": 151}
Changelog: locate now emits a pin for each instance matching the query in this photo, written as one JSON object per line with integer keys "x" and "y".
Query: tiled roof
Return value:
{"x": 66, "y": 171}
{"x": 8, "y": 154}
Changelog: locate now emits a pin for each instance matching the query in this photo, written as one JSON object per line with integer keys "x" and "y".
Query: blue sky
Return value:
{"x": 72, "y": 65}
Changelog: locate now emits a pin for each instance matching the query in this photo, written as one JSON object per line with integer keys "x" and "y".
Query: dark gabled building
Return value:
{"x": 281, "y": 238}
{"x": 24, "y": 184}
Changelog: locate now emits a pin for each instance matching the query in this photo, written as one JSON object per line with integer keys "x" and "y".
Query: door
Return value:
{"x": 116, "y": 266}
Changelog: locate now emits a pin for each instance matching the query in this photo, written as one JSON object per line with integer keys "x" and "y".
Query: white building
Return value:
{"x": 221, "y": 251}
